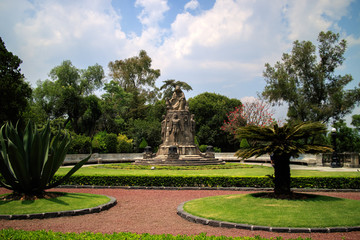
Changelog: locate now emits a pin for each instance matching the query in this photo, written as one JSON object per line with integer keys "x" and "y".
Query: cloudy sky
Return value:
{"x": 217, "y": 46}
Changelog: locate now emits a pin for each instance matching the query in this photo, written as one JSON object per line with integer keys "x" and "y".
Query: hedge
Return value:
{"x": 206, "y": 181}
{"x": 44, "y": 235}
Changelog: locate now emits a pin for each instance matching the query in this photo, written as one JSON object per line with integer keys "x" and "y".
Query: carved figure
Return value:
{"x": 178, "y": 101}
{"x": 175, "y": 129}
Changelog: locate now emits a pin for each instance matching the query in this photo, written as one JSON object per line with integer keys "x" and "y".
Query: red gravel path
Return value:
{"x": 154, "y": 212}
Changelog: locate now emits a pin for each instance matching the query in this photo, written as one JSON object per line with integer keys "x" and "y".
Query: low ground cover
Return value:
{"x": 229, "y": 169}
{"x": 65, "y": 202}
{"x": 44, "y": 235}
{"x": 313, "y": 211}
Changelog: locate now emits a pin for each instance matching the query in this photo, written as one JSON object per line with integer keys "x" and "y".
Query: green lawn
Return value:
{"x": 70, "y": 201}
{"x": 319, "y": 211}
{"x": 230, "y": 169}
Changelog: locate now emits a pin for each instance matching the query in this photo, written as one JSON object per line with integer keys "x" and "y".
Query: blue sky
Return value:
{"x": 217, "y": 46}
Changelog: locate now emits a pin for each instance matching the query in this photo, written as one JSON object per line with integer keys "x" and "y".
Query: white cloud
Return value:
{"x": 153, "y": 11}
{"x": 192, "y": 5}
{"x": 307, "y": 18}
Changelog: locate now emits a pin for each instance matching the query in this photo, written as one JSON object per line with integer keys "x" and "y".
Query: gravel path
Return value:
{"x": 154, "y": 212}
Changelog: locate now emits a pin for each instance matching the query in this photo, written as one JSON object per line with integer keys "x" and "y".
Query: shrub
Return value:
{"x": 98, "y": 142}
{"x": 124, "y": 144}
{"x": 80, "y": 144}
{"x": 110, "y": 143}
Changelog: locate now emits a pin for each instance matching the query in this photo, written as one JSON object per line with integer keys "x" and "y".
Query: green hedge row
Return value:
{"x": 204, "y": 181}
{"x": 44, "y": 235}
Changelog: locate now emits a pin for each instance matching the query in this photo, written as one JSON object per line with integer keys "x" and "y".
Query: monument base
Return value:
{"x": 185, "y": 155}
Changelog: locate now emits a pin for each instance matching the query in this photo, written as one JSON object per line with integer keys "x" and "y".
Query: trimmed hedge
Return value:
{"x": 44, "y": 235}
{"x": 205, "y": 181}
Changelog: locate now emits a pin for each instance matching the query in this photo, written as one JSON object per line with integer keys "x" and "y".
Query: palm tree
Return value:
{"x": 281, "y": 143}
{"x": 169, "y": 87}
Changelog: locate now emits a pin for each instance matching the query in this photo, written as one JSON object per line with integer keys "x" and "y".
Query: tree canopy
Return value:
{"x": 308, "y": 82}
{"x": 15, "y": 92}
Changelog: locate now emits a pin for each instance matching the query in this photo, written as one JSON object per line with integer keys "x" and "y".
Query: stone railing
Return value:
{"x": 347, "y": 159}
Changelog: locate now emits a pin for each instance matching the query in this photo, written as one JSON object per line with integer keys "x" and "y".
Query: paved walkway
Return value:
{"x": 154, "y": 212}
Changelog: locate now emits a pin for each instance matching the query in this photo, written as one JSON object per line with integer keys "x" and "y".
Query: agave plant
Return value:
{"x": 30, "y": 159}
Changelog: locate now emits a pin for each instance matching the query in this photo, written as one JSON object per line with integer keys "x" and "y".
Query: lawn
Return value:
{"x": 316, "y": 211}
{"x": 69, "y": 201}
{"x": 229, "y": 169}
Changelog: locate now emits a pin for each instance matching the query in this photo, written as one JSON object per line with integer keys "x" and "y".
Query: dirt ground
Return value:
{"x": 154, "y": 212}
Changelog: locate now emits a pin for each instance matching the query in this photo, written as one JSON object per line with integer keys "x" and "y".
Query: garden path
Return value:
{"x": 154, "y": 212}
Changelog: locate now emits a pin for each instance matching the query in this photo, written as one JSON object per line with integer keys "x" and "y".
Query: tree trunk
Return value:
{"x": 282, "y": 174}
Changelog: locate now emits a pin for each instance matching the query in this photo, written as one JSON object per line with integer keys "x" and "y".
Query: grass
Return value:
{"x": 69, "y": 201}
{"x": 317, "y": 211}
{"x": 229, "y": 169}
{"x": 44, "y": 235}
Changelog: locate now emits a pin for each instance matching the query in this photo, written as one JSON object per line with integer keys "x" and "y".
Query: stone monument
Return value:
{"x": 177, "y": 134}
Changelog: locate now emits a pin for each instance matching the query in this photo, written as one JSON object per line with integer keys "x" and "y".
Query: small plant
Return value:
{"x": 30, "y": 159}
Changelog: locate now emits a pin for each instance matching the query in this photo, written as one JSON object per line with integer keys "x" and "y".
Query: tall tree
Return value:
{"x": 169, "y": 86}
{"x": 281, "y": 143}
{"x": 64, "y": 95}
{"x": 210, "y": 110}
{"x": 15, "y": 92}
{"x": 136, "y": 76}
{"x": 311, "y": 87}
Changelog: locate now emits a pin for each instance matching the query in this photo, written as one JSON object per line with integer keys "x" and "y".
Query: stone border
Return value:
{"x": 214, "y": 223}
{"x": 75, "y": 212}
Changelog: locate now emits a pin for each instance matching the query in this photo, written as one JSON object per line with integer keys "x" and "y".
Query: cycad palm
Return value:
{"x": 281, "y": 143}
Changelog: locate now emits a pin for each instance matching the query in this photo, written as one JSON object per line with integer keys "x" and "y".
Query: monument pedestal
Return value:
{"x": 177, "y": 133}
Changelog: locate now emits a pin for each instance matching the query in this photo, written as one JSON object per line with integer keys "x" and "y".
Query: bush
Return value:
{"x": 80, "y": 144}
{"x": 110, "y": 143}
{"x": 98, "y": 142}
{"x": 206, "y": 181}
{"x": 124, "y": 145}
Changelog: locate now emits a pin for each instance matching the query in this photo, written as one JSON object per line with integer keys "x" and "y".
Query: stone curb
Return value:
{"x": 76, "y": 212}
{"x": 214, "y": 223}
{"x": 206, "y": 188}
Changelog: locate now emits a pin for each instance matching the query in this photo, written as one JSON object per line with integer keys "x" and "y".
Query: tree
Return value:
{"x": 67, "y": 93}
{"x": 210, "y": 111}
{"x": 347, "y": 139}
{"x": 15, "y": 92}
{"x": 311, "y": 88}
{"x": 256, "y": 113}
{"x": 356, "y": 121}
{"x": 136, "y": 76}
{"x": 169, "y": 86}
{"x": 115, "y": 106}
{"x": 281, "y": 143}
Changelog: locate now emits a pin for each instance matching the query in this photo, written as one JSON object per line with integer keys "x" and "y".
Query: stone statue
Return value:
{"x": 177, "y": 134}
{"x": 177, "y": 101}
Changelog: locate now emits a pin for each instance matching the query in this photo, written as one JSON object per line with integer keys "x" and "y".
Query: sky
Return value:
{"x": 217, "y": 46}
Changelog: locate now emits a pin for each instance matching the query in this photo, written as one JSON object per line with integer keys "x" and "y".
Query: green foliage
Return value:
{"x": 210, "y": 110}
{"x": 67, "y": 95}
{"x": 30, "y": 159}
{"x": 244, "y": 143}
{"x": 312, "y": 89}
{"x": 356, "y": 121}
{"x": 124, "y": 145}
{"x": 80, "y": 144}
{"x": 281, "y": 143}
{"x": 149, "y": 129}
{"x": 169, "y": 86}
{"x": 15, "y": 92}
{"x": 136, "y": 76}
{"x": 111, "y": 143}
{"x": 347, "y": 139}
{"x": 98, "y": 142}
{"x": 212, "y": 181}
{"x": 143, "y": 144}
{"x": 202, "y": 148}
{"x": 45, "y": 235}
